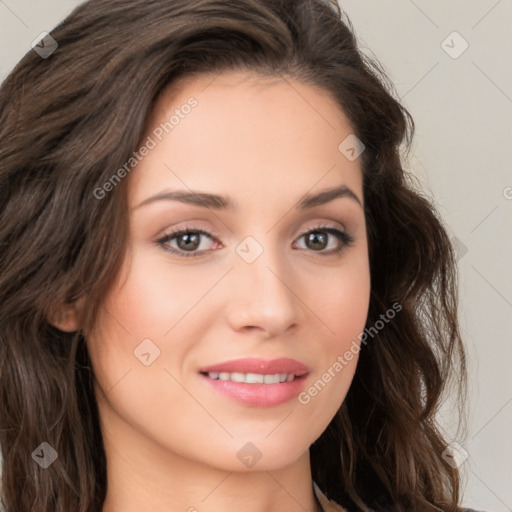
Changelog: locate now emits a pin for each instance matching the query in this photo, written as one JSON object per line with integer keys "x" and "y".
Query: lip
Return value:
{"x": 258, "y": 395}
{"x": 257, "y": 365}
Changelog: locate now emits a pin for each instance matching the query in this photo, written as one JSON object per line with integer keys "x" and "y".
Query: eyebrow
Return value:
{"x": 218, "y": 202}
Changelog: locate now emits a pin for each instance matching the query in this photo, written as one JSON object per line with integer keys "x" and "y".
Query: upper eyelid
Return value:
{"x": 213, "y": 234}
{"x": 177, "y": 231}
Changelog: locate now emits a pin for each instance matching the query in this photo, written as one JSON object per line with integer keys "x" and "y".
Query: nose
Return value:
{"x": 263, "y": 298}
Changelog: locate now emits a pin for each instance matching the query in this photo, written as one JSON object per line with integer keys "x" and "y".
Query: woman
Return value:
{"x": 220, "y": 288}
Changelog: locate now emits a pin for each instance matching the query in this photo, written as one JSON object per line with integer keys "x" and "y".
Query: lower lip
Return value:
{"x": 258, "y": 395}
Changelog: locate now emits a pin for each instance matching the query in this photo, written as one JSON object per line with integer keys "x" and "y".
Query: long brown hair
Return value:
{"x": 70, "y": 120}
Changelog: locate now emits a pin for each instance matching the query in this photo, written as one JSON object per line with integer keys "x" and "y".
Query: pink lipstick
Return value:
{"x": 257, "y": 382}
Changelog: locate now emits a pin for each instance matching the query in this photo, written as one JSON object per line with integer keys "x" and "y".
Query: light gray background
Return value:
{"x": 462, "y": 152}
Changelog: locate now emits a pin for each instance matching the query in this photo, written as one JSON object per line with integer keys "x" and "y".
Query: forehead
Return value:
{"x": 247, "y": 135}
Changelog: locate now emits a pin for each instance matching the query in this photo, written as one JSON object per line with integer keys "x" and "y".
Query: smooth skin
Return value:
{"x": 171, "y": 440}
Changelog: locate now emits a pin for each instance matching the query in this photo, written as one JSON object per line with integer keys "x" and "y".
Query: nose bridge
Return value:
{"x": 262, "y": 294}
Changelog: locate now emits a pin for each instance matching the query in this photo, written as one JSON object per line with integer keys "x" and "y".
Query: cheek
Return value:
{"x": 340, "y": 300}
{"x": 352, "y": 301}
{"x": 151, "y": 300}
{"x": 153, "y": 296}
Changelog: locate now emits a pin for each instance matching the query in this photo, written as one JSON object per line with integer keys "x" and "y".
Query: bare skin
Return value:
{"x": 171, "y": 440}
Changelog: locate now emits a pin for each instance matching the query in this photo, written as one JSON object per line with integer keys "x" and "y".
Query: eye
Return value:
{"x": 317, "y": 239}
{"x": 186, "y": 242}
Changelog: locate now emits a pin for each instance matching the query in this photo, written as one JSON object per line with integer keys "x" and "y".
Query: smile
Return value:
{"x": 252, "y": 378}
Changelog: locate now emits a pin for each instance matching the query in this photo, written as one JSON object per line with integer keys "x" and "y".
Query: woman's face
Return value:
{"x": 269, "y": 278}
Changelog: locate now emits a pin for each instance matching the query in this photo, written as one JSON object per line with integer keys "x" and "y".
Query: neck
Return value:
{"x": 149, "y": 478}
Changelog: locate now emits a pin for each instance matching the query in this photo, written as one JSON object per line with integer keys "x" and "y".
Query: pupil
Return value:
{"x": 314, "y": 237}
{"x": 190, "y": 239}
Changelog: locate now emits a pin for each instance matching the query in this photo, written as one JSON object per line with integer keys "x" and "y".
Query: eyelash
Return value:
{"x": 343, "y": 236}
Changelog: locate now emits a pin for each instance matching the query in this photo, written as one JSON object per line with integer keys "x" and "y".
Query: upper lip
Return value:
{"x": 257, "y": 365}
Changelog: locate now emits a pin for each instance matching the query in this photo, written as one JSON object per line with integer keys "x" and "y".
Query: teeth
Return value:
{"x": 271, "y": 379}
{"x": 252, "y": 378}
{"x": 238, "y": 377}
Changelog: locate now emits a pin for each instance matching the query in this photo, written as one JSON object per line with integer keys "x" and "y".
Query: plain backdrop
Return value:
{"x": 450, "y": 62}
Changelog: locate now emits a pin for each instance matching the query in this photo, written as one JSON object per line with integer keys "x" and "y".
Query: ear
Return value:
{"x": 65, "y": 316}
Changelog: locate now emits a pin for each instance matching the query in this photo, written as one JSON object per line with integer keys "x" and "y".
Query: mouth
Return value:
{"x": 253, "y": 367}
{"x": 252, "y": 378}
{"x": 257, "y": 382}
